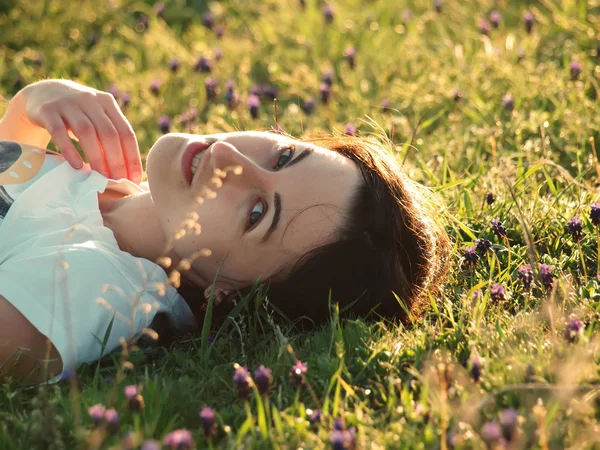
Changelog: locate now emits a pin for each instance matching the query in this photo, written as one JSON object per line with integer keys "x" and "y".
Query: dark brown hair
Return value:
{"x": 391, "y": 243}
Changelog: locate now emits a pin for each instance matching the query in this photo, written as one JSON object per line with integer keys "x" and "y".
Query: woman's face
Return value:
{"x": 290, "y": 197}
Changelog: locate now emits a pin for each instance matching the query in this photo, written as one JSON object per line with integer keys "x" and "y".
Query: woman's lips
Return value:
{"x": 188, "y": 156}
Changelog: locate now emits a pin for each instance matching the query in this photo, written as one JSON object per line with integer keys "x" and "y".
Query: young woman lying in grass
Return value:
{"x": 89, "y": 255}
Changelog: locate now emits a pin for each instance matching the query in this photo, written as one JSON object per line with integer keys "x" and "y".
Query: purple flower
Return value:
{"x": 297, "y": 373}
{"x": 508, "y": 102}
{"x": 203, "y": 65}
{"x": 151, "y": 444}
{"x": 343, "y": 439}
{"x": 308, "y": 106}
{"x": 159, "y": 9}
{"x": 328, "y": 13}
{"x": 96, "y": 412}
{"x": 595, "y": 213}
{"x": 208, "y": 20}
{"x": 471, "y": 257}
{"x": 495, "y": 18}
{"x": 406, "y": 16}
{"x": 477, "y": 294}
{"x": 546, "y": 275}
{"x": 219, "y": 30}
{"x": 525, "y": 275}
{"x": 315, "y": 417}
{"x": 253, "y": 105}
{"x": 339, "y": 424}
{"x": 350, "y": 54}
{"x": 575, "y": 70}
{"x": 475, "y": 369}
{"x": 231, "y": 96}
{"x": 207, "y": 417}
{"x": 325, "y": 91}
{"x": 180, "y": 439}
{"x": 350, "y": 130}
{"x": 509, "y": 419}
{"x": 498, "y": 228}
{"x": 574, "y": 328}
{"x": 528, "y": 20}
{"x": 263, "y": 379}
{"x": 241, "y": 381}
{"x": 217, "y": 53}
{"x": 456, "y": 94}
{"x": 491, "y": 433}
{"x": 483, "y": 245}
{"x": 489, "y": 197}
{"x": 484, "y": 27}
{"x": 497, "y": 292}
{"x": 437, "y": 4}
{"x": 327, "y": 78}
{"x": 174, "y": 64}
{"x": 529, "y": 373}
{"x": 164, "y": 123}
{"x": 386, "y": 105}
{"x": 136, "y": 401}
{"x": 210, "y": 86}
{"x": 142, "y": 21}
{"x": 270, "y": 92}
{"x": 125, "y": 99}
{"x": 575, "y": 227}
{"x": 155, "y": 86}
{"x": 114, "y": 91}
{"x": 111, "y": 416}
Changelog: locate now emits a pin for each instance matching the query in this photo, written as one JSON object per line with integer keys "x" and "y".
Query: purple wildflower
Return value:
{"x": 125, "y": 99}
{"x": 297, "y": 373}
{"x": 263, "y": 379}
{"x": 508, "y": 102}
{"x": 489, "y": 198}
{"x": 151, "y": 444}
{"x": 143, "y": 21}
{"x": 575, "y": 227}
{"x": 231, "y": 96}
{"x": 111, "y": 416}
{"x": 164, "y": 123}
{"x": 180, "y": 439}
{"x": 491, "y": 433}
{"x": 495, "y": 18}
{"x": 343, "y": 439}
{"x": 525, "y": 275}
{"x": 207, "y": 417}
{"x": 219, "y": 30}
{"x": 270, "y": 92}
{"x": 350, "y": 130}
{"x": 350, "y": 55}
{"x": 210, "y": 87}
{"x": 315, "y": 417}
{"x": 456, "y": 95}
{"x": 135, "y": 399}
{"x": 217, "y": 53}
{"x": 528, "y": 20}
{"x": 208, "y": 20}
{"x": 509, "y": 419}
{"x": 325, "y": 91}
{"x": 407, "y": 15}
{"x": 327, "y": 78}
{"x": 529, "y": 373}
{"x": 575, "y": 68}
{"x": 114, "y": 90}
{"x": 96, "y": 412}
{"x": 328, "y": 13}
{"x": 155, "y": 86}
{"x": 253, "y": 105}
{"x": 483, "y": 245}
{"x": 498, "y": 228}
{"x": 546, "y": 275}
{"x": 475, "y": 369}
{"x": 174, "y": 64}
{"x": 574, "y": 328}
{"x": 159, "y": 9}
{"x": 386, "y": 105}
{"x": 308, "y": 106}
{"x": 437, "y": 5}
{"x": 484, "y": 27}
{"x": 471, "y": 257}
{"x": 477, "y": 295}
{"x": 339, "y": 424}
{"x": 595, "y": 213}
{"x": 497, "y": 292}
{"x": 241, "y": 381}
{"x": 203, "y": 65}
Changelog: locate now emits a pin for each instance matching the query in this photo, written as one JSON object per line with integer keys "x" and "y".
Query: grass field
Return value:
{"x": 503, "y": 121}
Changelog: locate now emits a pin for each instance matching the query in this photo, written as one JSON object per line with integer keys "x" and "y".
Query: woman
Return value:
{"x": 331, "y": 219}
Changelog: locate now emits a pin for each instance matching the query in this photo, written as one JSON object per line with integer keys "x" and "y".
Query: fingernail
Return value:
{"x": 78, "y": 165}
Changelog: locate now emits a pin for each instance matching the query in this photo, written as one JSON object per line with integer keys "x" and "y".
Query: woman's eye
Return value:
{"x": 285, "y": 155}
{"x": 256, "y": 214}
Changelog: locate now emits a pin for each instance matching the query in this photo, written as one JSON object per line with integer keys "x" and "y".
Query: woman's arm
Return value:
{"x": 14, "y": 126}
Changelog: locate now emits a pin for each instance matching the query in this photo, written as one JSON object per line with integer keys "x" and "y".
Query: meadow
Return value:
{"x": 495, "y": 105}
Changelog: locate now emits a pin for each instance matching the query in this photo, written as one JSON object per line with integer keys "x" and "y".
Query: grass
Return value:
{"x": 399, "y": 386}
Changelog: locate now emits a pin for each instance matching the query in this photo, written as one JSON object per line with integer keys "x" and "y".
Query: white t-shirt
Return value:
{"x": 63, "y": 269}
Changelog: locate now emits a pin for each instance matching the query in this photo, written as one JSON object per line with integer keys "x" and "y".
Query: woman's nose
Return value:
{"x": 226, "y": 157}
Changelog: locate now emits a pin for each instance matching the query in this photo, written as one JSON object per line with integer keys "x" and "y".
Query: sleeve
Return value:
{"x": 71, "y": 296}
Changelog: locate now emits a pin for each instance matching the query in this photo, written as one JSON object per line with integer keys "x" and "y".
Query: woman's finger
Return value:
{"x": 55, "y": 125}
{"x": 81, "y": 126}
{"x": 109, "y": 138}
{"x": 129, "y": 144}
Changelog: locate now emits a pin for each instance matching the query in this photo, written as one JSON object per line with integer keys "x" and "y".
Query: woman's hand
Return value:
{"x": 67, "y": 109}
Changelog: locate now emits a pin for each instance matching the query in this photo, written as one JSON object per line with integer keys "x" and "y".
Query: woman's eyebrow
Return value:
{"x": 277, "y": 197}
